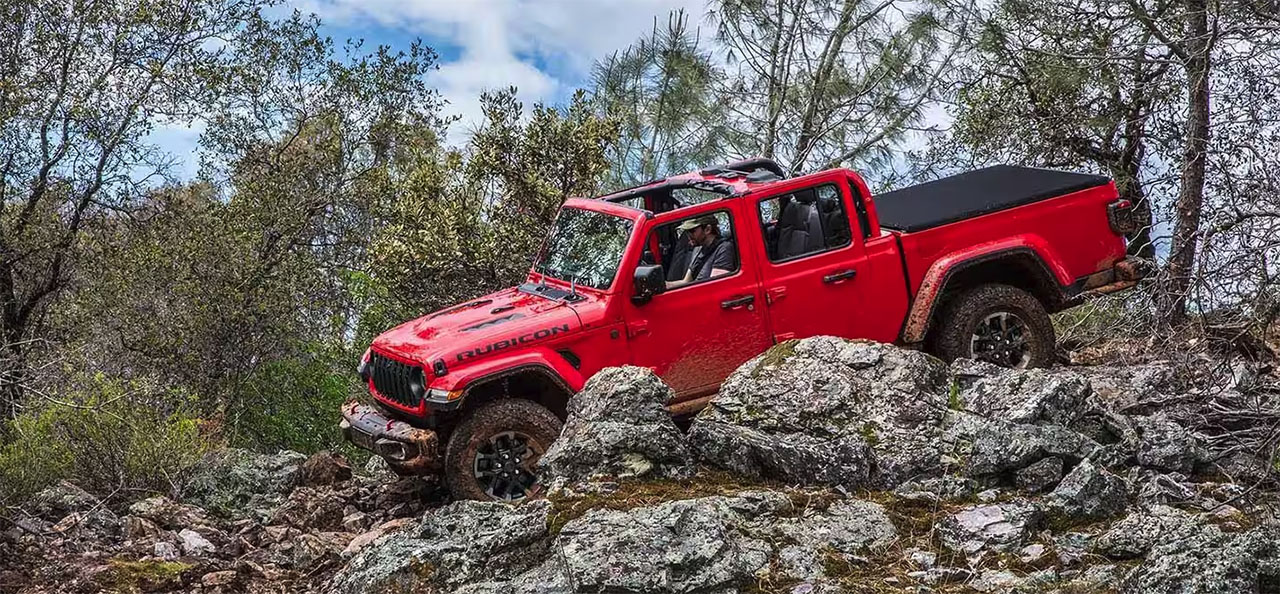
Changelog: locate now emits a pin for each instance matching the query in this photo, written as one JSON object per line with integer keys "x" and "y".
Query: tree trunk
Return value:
{"x": 821, "y": 80}
{"x": 12, "y": 374}
{"x": 11, "y": 332}
{"x": 1182, "y": 254}
{"x": 1129, "y": 184}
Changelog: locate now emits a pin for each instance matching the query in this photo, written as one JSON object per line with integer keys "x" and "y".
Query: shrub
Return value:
{"x": 293, "y": 405}
{"x": 111, "y": 436}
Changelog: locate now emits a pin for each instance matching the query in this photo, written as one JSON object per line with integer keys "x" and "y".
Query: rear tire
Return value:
{"x": 493, "y": 455}
{"x": 998, "y": 324}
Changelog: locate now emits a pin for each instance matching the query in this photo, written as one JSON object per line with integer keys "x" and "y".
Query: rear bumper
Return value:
{"x": 1123, "y": 275}
{"x": 410, "y": 448}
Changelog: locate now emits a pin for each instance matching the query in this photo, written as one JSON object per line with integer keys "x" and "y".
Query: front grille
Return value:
{"x": 399, "y": 382}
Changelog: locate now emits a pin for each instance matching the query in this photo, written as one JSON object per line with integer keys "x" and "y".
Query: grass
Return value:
{"x": 646, "y": 493}
{"x": 775, "y": 356}
{"x": 869, "y": 434}
{"x": 133, "y": 576}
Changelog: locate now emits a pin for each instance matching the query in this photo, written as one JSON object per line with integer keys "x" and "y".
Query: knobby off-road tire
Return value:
{"x": 999, "y": 324}
{"x": 493, "y": 454}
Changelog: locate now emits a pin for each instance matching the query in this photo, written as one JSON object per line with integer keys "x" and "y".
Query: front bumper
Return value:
{"x": 407, "y": 447}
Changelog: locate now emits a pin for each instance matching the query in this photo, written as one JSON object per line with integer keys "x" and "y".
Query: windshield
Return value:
{"x": 585, "y": 247}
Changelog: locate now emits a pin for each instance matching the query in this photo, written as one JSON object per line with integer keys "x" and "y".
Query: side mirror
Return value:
{"x": 649, "y": 281}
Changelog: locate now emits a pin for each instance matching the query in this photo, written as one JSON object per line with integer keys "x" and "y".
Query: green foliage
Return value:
{"x": 88, "y": 83}
{"x": 469, "y": 222}
{"x": 146, "y": 576}
{"x": 111, "y": 437}
{"x": 661, "y": 90}
{"x": 826, "y": 83}
{"x": 293, "y": 404}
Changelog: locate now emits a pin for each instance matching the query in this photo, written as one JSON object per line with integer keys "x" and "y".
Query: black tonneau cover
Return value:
{"x": 975, "y": 193}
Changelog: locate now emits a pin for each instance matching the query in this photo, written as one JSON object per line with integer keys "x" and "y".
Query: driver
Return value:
{"x": 714, "y": 255}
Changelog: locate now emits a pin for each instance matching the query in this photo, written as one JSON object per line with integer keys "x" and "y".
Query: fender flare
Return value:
{"x": 939, "y": 275}
{"x": 543, "y": 361}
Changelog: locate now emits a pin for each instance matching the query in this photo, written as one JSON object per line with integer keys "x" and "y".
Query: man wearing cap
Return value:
{"x": 715, "y": 255}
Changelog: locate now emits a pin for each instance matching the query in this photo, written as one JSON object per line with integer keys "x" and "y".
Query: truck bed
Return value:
{"x": 976, "y": 193}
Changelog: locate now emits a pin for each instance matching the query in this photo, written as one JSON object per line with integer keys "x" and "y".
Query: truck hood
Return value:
{"x": 481, "y": 327}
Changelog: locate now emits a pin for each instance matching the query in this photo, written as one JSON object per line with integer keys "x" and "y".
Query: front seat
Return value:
{"x": 681, "y": 256}
{"x": 834, "y": 222}
{"x": 799, "y": 228}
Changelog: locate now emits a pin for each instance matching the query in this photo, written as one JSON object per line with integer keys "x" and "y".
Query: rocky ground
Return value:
{"x": 822, "y": 466}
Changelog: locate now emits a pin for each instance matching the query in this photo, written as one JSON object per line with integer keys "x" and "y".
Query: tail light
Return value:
{"x": 1120, "y": 217}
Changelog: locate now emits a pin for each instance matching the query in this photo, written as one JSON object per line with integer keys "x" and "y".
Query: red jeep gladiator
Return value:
{"x": 694, "y": 275}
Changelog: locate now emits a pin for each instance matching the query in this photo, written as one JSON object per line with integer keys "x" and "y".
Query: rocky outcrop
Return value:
{"x": 461, "y": 543}
{"x": 77, "y": 541}
{"x": 1040, "y": 476}
{"x": 237, "y": 482}
{"x": 1136, "y": 534}
{"x": 1028, "y": 397}
{"x": 824, "y": 466}
{"x": 1206, "y": 559}
{"x": 618, "y": 427}
{"x": 1165, "y": 445}
{"x": 825, "y": 411}
{"x": 1002, "y": 527}
{"x": 1090, "y": 492}
{"x": 705, "y": 544}
{"x": 828, "y": 411}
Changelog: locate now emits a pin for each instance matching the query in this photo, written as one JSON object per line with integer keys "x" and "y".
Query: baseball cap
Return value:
{"x": 690, "y": 224}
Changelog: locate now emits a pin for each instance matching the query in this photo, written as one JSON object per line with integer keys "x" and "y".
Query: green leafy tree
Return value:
{"x": 823, "y": 83}
{"x": 82, "y": 84}
{"x": 662, "y": 92}
{"x": 247, "y": 276}
{"x": 466, "y": 222}
{"x": 1052, "y": 85}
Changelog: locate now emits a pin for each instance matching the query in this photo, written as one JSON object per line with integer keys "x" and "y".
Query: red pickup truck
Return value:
{"x": 695, "y": 274}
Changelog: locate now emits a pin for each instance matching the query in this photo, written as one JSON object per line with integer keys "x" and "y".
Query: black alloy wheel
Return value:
{"x": 504, "y": 466}
{"x": 493, "y": 454}
{"x": 1001, "y": 339}
{"x": 998, "y": 324}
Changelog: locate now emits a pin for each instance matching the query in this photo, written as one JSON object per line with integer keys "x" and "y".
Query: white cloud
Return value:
{"x": 543, "y": 47}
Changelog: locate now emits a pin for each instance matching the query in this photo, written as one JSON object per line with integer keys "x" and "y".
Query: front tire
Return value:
{"x": 493, "y": 455}
{"x": 998, "y": 324}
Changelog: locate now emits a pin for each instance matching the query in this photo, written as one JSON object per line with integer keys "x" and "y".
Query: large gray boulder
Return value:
{"x": 828, "y": 411}
{"x": 697, "y": 545}
{"x": 1165, "y": 445}
{"x": 984, "y": 446}
{"x": 1128, "y": 386}
{"x": 62, "y": 498}
{"x": 618, "y": 427}
{"x": 1209, "y": 560}
{"x": 707, "y": 544}
{"x": 1134, "y": 535}
{"x": 1024, "y": 396}
{"x": 464, "y": 542}
{"x": 997, "y": 526}
{"x": 238, "y": 483}
{"x": 1090, "y": 492}
{"x": 1040, "y": 476}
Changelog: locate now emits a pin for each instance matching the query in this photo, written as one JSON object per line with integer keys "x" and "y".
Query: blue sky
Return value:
{"x": 543, "y": 47}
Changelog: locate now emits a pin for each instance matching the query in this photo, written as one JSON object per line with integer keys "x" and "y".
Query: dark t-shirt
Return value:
{"x": 719, "y": 254}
